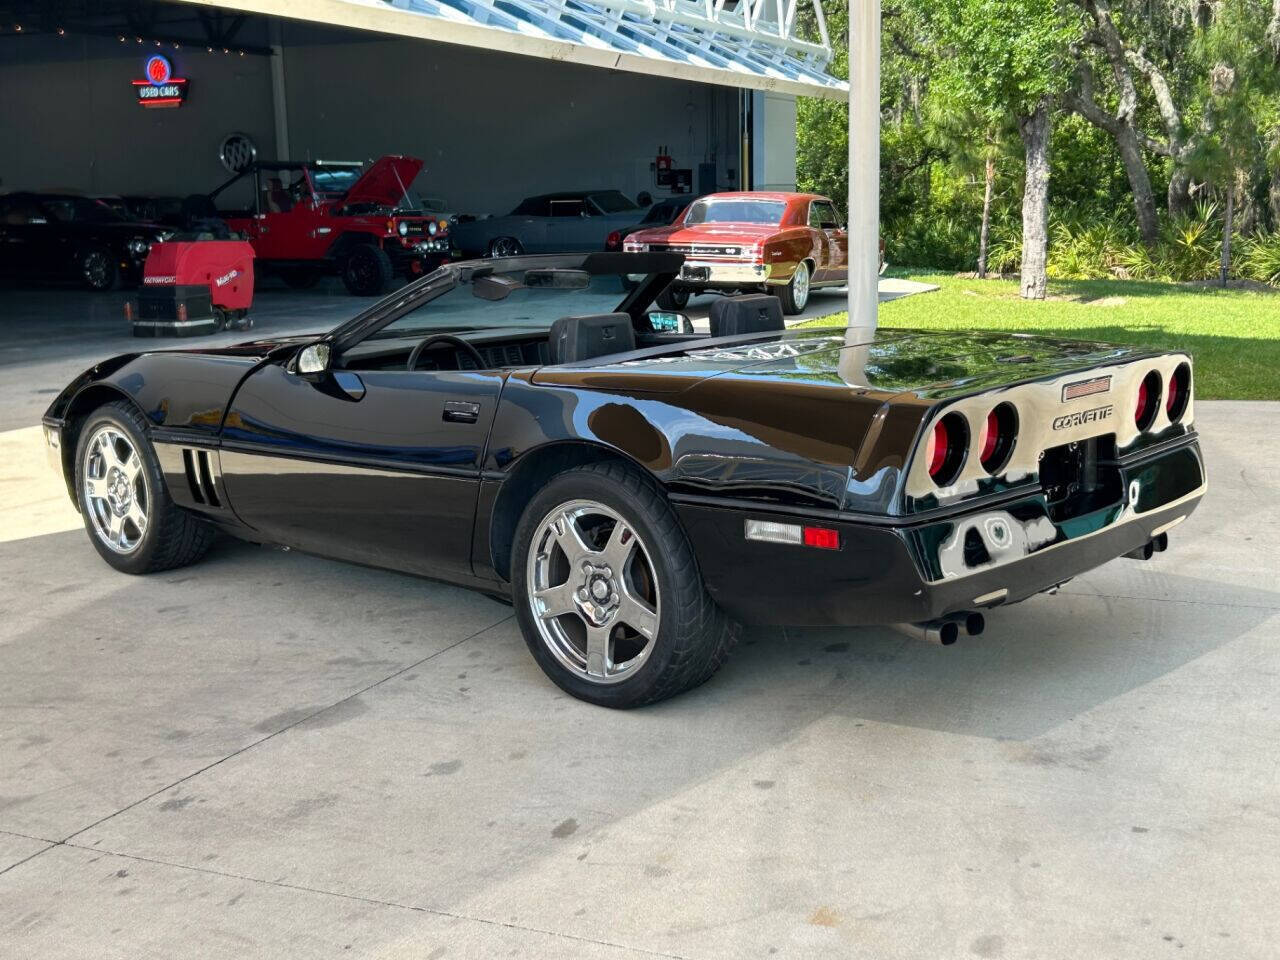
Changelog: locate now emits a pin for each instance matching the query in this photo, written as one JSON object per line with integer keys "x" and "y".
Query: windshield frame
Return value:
{"x": 659, "y": 270}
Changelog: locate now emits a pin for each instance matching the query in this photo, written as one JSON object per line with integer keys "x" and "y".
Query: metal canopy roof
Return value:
{"x": 740, "y": 43}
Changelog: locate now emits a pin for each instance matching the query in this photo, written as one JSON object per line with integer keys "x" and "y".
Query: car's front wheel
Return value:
{"x": 98, "y": 269}
{"x": 367, "y": 271}
{"x": 608, "y": 592}
{"x": 123, "y": 498}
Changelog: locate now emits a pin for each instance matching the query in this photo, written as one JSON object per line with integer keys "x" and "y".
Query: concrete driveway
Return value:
{"x": 271, "y": 755}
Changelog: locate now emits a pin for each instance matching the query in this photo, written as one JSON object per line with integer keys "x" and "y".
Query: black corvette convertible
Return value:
{"x": 528, "y": 428}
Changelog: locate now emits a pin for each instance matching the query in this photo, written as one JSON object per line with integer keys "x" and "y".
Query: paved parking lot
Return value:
{"x": 270, "y": 754}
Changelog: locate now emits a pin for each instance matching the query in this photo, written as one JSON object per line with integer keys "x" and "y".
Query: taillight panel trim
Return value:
{"x": 1045, "y": 420}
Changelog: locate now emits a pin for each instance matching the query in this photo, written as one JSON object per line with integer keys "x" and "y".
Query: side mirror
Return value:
{"x": 312, "y": 360}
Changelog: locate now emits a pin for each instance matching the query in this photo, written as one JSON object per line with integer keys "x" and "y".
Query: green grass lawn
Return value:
{"x": 1233, "y": 335}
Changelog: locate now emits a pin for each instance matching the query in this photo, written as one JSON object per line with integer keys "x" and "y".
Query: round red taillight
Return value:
{"x": 1179, "y": 394}
{"x": 946, "y": 448}
{"x": 1144, "y": 411}
{"x": 613, "y": 241}
{"x": 998, "y": 435}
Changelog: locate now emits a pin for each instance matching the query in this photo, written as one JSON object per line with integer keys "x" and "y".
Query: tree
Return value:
{"x": 1243, "y": 84}
{"x": 1012, "y": 58}
{"x": 1121, "y": 123}
{"x": 973, "y": 144}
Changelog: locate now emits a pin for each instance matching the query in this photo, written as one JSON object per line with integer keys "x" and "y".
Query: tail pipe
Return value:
{"x": 1157, "y": 544}
{"x": 946, "y": 631}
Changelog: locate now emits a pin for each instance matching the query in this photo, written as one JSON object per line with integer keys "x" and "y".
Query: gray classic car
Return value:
{"x": 570, "y": 222}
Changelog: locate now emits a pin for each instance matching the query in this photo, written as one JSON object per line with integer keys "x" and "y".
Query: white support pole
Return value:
{"x": 864, "y": 165}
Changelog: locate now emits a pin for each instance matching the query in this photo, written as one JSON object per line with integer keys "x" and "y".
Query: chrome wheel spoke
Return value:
{"x": 132, "y": 467}
{"x": 565, "y": 528}
{"x": 598, "y": 662}
{"x": 138, "y": 517}
{"x": 555, "y": 601}
{"x": 115, "y": 528}
{"x": 638, "y": 615}
{"x": 96, "y": 487}
{"x": 617, "y": 551}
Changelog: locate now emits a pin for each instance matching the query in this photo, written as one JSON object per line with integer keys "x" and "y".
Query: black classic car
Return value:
{"x": 574, "y": 221}
{"x": 526, "y": 427}
{"x": 54, "y": 236}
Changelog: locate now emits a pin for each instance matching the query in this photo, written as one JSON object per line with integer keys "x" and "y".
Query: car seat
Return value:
{"x": 756, "y": 313}
{"x": 585, "y": 338}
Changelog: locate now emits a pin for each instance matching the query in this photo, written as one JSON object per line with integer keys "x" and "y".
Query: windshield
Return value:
{"x": 459, "y": 308}
{"x": 334, "y": 180}
{"x": 79, "y": 209}
{"x": 736, "y": 210}
{"x": 664, "y": 211}
{"x": 611, "y": 201}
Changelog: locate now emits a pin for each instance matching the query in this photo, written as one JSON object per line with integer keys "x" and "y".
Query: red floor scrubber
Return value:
{"x": 194, "y": 287}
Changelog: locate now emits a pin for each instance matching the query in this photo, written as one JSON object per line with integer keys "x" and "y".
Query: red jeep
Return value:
{"x": 309, "y": 218}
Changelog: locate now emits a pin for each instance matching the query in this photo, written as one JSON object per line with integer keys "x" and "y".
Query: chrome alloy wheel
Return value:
{"x": 800, "y": 286}
{"x": 593, "y": 591}
{"x": 505, "y": 247}
{"x": 115, "y": 490}
{"x": 96, "y": 269}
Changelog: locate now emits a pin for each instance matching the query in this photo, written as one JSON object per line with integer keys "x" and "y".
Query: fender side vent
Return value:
{"x": 193, "y": 482}
{"x": 206, "y": 478}
{"x": 202, "y": 471}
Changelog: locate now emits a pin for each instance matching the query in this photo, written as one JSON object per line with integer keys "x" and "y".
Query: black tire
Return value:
{"x": 694, "y": 635}
{"x": 366, "y": 271}
{"x": 174, "y": 537}
{"x": 674, "y": 298}
{"x": 98, "y": 269}
{"x": 300, "y": 278}
{"x": 795, "y": 298}
{"x": 505, "y": 247}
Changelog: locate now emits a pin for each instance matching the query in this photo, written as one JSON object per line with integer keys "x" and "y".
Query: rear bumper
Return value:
{"x": 894, "y": 573}
{"x": 715, "y": 273}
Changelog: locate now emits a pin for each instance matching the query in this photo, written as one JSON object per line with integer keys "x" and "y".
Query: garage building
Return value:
{"x": 493, "y": 120}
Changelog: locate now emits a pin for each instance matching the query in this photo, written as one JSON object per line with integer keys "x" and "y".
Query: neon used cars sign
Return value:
{"x": 160, "y": 88}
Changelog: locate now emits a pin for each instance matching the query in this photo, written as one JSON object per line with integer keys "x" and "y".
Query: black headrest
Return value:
{"x": 585, "y": 338}
{"x": 757, "y": 313}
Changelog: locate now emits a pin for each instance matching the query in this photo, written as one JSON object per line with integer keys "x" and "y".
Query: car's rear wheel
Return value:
{"x": 608, "y": 592}
{"x": 505, "y": 247}
{"x": 366, "y": 271}
{"x": 795, "y": 295}
{"x": 127, "y": 511}
{"x": 674, "y": 298}
{"x": 98, "y": 269}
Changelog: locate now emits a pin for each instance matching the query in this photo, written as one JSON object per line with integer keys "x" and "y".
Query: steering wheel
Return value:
{"x": 458, "y": 342}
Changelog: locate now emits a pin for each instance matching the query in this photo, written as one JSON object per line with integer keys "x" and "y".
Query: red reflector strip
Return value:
{"x": 822, "y": 537}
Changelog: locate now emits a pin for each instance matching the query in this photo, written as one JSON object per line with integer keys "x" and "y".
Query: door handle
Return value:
{"x": 460, "y": 411}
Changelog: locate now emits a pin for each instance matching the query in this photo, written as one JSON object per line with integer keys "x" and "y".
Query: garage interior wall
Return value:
{"x": 494, "y": 128}
{"x": 69, "y": 117}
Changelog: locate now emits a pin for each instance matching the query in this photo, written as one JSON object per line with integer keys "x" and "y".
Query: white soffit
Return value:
{"x": 738, "y": 43}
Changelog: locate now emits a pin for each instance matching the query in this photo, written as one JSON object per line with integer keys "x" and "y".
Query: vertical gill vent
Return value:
{"x": 193, "y": 481}
{"x": 206, "y": 479}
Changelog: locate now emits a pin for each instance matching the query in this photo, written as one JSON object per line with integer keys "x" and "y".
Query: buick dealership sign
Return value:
{"x": 160, "y": 88}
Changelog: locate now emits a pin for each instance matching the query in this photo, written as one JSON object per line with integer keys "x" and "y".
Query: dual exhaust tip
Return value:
{"x": 1157, "y": 544}
{"x": 946, "y": 631}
